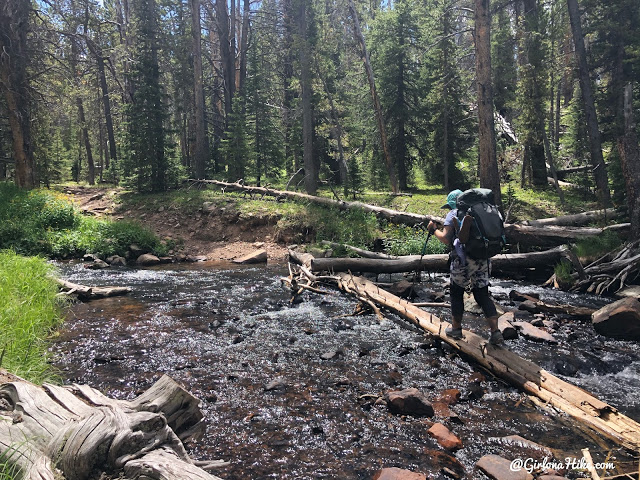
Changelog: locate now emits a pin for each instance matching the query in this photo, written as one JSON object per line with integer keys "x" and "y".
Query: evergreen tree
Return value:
{"x": 146, "y": 163}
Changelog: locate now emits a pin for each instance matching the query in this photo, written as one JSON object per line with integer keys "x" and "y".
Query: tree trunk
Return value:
{"x": 244, "y": 46}
{"x": 310, "y": 167}
{"x": 226, "y": 57}
{"x": 201, "y": 155}
{"x": 630, "y": 161}
{"x": 576, "y": 220}
{"x": 488, "y": 164}
{"x": 595, "y": 145}
{"x": 84, "y": 133}
{"x": 76, "y": 432}
{"x": 14, "y": 25}
{"x": 374, "y": 96}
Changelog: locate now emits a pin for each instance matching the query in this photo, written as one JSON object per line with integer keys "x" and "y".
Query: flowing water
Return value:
{"x": 228, "y": 332}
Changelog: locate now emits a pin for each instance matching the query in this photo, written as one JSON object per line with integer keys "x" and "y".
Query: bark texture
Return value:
{"x": 77, "y": 432}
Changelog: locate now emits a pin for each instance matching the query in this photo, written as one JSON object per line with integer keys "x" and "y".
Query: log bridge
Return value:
{"x": 76, "y": 433}
{"x": 528, "y": 376}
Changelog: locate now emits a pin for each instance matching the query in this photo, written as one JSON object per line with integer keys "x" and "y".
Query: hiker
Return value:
{"x": 466, "y": 273}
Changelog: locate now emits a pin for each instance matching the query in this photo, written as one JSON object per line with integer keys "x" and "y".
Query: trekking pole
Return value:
{"x": 424, "y": 250}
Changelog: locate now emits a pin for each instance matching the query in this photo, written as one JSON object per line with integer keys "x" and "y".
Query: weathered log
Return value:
{"x": 363, "y": 253}
{"x": 550, "y": 235}
{"x": 85, "y": 292}
{"x": 507, "y": 365}
{"x": 431, "y": 263}
{"x": 76, "y": 432}
{"x": 394, "y": 216}
{"x": 576, "y": 220}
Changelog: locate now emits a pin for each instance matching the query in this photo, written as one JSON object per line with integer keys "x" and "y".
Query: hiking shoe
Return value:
{"x": 496, "y": 338}
{"x": 455, "y": 333}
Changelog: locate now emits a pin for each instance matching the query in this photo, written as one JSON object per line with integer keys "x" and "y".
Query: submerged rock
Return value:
{"x": 409, "y": 401}
{"x": 620, "y": 319}
{"x": 498, "y": 468}
{"x": 394, "y": 473}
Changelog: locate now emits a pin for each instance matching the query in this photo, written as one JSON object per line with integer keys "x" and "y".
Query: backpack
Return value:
{"x": 486, "y": 237}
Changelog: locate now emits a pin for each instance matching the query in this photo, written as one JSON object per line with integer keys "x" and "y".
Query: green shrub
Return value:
{"x": 597, "y": 246}
{"x": 29, "y": 311}
{"x": 43, "y": 222}
{"x": 403, "y": 240}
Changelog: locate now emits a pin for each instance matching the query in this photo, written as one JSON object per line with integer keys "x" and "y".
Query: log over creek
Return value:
{"x": 296, "y": 390}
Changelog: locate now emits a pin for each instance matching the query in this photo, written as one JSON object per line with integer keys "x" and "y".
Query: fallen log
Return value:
{"x": 394, "y": 216}
{"x": 549, "y": 235}
{"x": 363, "y": 253}
{"x": 507, "y": 365}
{"x": 576, "y": 220}
{"x": 85, "y": 292}
{"x": 75, "y": 432}
{"x": 431, "y": 263}
{"x": 612, "y": 272}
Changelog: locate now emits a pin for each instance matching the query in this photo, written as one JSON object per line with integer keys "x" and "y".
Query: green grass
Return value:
{"x": 29, "y": 311}
{"x": 592, "y": 248}
{"x": 43, "y": 222}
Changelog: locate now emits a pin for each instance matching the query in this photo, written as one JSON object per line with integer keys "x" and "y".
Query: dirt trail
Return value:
{"x": 213, "y": 234}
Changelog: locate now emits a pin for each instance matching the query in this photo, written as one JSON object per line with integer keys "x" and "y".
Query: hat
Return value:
{"x": 451, "y": 199}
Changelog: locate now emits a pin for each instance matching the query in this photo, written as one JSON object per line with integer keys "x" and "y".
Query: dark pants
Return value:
{"x": 480, "y": 294}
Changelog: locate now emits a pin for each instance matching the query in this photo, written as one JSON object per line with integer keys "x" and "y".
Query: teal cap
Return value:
{"x": 451, "y": 199}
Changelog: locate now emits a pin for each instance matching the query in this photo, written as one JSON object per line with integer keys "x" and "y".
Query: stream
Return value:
{"x": 289, "y": 391}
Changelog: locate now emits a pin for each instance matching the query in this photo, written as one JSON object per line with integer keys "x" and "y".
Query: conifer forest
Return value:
{"x": 379, "y": 95}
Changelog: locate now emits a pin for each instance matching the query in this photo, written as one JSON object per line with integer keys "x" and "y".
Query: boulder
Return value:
{"x": 97, "y": 264}
{"x": 257, "y": 256}
{"x": 534, "y": 333}
{"x": 394, "y": 473}
{"x": 409, "y": 401}
{"x": 147, "y": 259}
{"x": 505, "y": 325}
{"x": 444, "y": 437}
{"x": 117, "y": 261}
{"x": 498, "y": 468}
{"x": 402, "y": 289}
{"x": 620, "y": 319}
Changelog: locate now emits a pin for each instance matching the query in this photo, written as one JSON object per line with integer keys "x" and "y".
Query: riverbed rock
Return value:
{"x": 534, "y": 333}
{"x": 620, "y": 319}
{"x": 450, "y": 396}
{"x": 402, "y": 289}
{"x": 395, "y": 473}
{"x": 409, "y": 401}
{"x": 116, "y": 261}
{"x": 257, "y": 256}
{"x": 147, "y": 259}
{"x": 470, "y": 304}
{"x": 498, "y": 468}
{"x": 97, "y": 264}
{"x": 632, "y": 291}
{"x": 444, "y": 437}
{"x": 505, "y": 325}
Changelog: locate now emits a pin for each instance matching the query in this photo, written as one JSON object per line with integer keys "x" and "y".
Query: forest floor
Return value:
{"x": 216, "y": 236}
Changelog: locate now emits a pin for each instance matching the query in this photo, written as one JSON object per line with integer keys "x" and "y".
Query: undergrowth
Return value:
{"x": 29, "y": 312}
{"x": 43, "y": 222}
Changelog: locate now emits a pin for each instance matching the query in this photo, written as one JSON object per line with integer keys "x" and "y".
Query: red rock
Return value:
{"x": 444, "y": 437}
{"x": 450, "y": 396}
{"x": 394, "y": 473}
{"x": 498, "y": 468}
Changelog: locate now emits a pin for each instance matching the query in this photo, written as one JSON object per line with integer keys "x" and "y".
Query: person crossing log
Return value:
{"x": 505, "y": 364}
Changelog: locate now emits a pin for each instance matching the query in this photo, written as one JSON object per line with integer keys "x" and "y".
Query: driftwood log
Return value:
{"x": 544, "y": 260}
{"x": 536, "y": 305}
{"x": 507, "y": 365}
{"x": 544, "y": 236}
{"x": 89, "y": 293}
{"x": 75, "y": 432}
